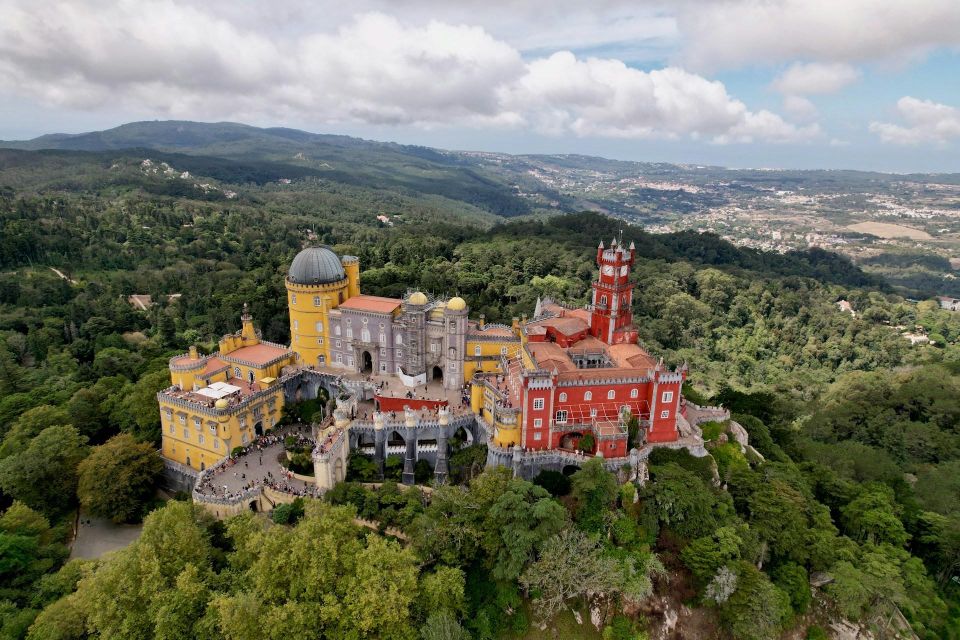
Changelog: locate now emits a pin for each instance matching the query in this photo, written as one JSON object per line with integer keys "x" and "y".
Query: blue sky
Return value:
{"x": 865, "y": 84}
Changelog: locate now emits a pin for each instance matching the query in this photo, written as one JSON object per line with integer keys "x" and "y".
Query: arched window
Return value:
{"x": 634, "y": 393}
{"x": 398, "y": 338}
{"x": 476, "y": 350}
{"x": 365, "y": 335}
{"x": 563, "y": 397}
{"x": 293, "y": 298}
{"x": 237, "y": 373}
{"x": 319, "y": 327}
{"x": 316, "y": 301}
{"x": 250, "y": 376}
{"x": 611, "y": 394}
{"x": 588, "y": 396}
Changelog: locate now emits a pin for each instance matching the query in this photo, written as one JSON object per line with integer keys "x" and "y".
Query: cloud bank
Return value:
{"x": 925, "y": 121}
{"x": 185, "y": 61}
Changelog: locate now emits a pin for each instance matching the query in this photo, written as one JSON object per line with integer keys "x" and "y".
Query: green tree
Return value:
{"x": 119, "y": 478}
{"x": 594, "y": 489}
{"x": 44, "y": 476}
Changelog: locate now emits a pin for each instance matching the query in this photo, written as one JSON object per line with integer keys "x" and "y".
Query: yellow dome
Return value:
{"x": 456, "y": 304}
{"x": 418, "y": 298}
{"x": 222, "y": 403}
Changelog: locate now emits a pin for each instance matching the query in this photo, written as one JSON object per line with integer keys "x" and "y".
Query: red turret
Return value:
{"x": 612, "y": 318}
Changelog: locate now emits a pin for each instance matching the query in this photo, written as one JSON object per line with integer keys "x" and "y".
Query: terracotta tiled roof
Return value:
{"x": 213, "y": 364}
{"x": 258, "y": 354}
{"x": 375, "y": 304}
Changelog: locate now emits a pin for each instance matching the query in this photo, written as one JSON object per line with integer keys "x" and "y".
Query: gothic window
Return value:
{"x": 383, "y": 339}
{"x": 237, "y": 373}
{"x": 250, "y": 376}
{"x": 398, "y": 338}
{"x": 634, "y": 393}
{"x": 365, "y": 335}
{"x": 588, "y": 396}
{"x": 611, "y": 394}
{"x": 336, "y": 329}
{"x": 563, "y": 397}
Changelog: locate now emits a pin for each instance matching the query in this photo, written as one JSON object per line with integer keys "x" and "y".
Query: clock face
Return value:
{"x": 608, "y": 270}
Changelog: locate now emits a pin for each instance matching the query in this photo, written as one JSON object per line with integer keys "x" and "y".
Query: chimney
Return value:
{"x": 193, "y": 352}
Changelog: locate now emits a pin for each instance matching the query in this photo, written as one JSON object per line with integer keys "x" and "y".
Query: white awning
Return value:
{"x": 218, "y": 390}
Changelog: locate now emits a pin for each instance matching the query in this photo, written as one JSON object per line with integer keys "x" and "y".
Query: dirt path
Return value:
{"x": 62, "y": 275}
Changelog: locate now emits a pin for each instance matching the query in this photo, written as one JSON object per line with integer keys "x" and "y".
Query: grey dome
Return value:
{"x": 316, "y": 265}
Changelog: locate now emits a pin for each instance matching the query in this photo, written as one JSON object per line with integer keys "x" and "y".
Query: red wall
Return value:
{"x": 388, "y": 403}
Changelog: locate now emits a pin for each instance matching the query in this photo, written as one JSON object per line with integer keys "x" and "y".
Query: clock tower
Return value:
{"x": 612, "y": 319}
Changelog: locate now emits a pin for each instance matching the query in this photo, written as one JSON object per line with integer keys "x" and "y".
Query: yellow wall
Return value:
{"x": 487, "y": 348}
{"x": 305, "y": 314}
{"x": 184, "y": 440}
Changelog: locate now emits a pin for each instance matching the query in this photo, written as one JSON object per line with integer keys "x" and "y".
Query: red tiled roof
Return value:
{"x": 258, "y": 354}
{"x": 376, "y": 304}
{"x": 213, "y": 364}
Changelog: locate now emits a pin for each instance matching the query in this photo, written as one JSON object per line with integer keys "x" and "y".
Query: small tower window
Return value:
{"x": 611, "y": 394}
{"x": 476, "y": 350}
{"x": 319, "y": 327}
{"x": 293, "y": 298}
{"x": 588, "y": 396}
{"x": 634, "y": 393}
{"x": 316, "y": 301}
{"x": 563, "y": 397}
{"x": 603, "y": 301}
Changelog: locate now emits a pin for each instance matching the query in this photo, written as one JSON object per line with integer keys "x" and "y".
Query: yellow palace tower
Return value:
{"x": 317, "y": 282}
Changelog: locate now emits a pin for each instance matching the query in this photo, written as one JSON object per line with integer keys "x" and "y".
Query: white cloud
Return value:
{"x": 802, "y": 79}
{"x": 925, "y": 121}
{"x": 183, "y": 61}
{"x": 736, "y": 32}
{"x": 800, "y": 108}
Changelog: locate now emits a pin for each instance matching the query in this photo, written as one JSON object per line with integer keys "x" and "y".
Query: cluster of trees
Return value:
{"x": 858, "y": 430}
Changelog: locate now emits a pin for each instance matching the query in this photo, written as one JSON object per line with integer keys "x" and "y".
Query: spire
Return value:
{"x": 601, "y": 244}
{"x": 633, "y": 247}
{"x": 245, "y": 316}
{"x": 613, "y": 242}
{"x": 248, "y": 332}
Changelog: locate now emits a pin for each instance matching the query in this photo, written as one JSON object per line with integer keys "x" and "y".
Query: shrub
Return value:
{"x": 587, "y": 443}
{"x": 817, "y": 633}
{"x": 712, "y": 430}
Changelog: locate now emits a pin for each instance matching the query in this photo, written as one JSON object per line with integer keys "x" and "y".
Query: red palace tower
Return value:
{"x": 581, "y": 370}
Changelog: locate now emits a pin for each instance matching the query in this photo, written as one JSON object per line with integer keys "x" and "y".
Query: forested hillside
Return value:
{"x": 859, "y": 431}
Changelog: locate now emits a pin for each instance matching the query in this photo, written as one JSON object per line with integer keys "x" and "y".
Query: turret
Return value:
{"x": 247, "y": 332}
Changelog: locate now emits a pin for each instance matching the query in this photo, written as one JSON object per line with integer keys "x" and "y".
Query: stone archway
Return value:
{"x": 570, "y": 440}
{"x": 258, "y": 429}
{"x": 437, "y": 374}
{"x": 366, "y": 362}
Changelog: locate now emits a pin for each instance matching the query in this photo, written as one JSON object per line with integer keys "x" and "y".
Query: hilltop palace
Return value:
{"x": 411, "y": 376}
